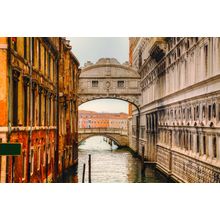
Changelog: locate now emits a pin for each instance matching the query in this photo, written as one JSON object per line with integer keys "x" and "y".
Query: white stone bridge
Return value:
{"x": 107, "y": 78}
{"x": 118, "y": 135}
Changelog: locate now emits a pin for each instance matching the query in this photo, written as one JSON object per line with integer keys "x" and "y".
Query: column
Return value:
{"x": 209, "y": 150}
{"x": 194, "y": 142}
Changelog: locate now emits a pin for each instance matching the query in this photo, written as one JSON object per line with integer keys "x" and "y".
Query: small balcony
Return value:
{"x": 157, "y": 50}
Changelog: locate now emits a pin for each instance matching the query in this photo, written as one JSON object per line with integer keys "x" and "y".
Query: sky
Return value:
{"x": 105, "y": 105}
{"x": 92, "y": 49}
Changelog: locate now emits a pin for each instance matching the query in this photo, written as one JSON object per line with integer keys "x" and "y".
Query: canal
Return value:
{"x": 111, "y": 165}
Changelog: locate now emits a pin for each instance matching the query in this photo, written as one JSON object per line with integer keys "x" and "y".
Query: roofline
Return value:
{"x": 93, "y": 66}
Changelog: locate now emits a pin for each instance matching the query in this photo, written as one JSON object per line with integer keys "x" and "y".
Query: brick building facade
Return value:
{"x": 91, "y": 119}
{"x": 32, "y": 70}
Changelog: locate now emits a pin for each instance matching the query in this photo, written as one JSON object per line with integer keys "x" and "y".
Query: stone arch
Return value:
{"x": 119, "y": 140}
{"x": 132, "y": 100}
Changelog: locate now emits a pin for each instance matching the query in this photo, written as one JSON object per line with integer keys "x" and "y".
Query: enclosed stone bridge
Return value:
{"x": 107, "y": 78}
{"x": 119, "y": 136}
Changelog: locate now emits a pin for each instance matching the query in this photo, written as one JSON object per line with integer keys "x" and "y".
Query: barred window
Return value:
{"x": 95, "y": 83}
{"x": 121, "y": 84}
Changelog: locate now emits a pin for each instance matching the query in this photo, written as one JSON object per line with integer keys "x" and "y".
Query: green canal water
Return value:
{"x": 111, "y": 165}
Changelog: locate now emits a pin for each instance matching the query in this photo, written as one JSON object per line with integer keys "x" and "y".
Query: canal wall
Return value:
{"x": 186, "y": 168}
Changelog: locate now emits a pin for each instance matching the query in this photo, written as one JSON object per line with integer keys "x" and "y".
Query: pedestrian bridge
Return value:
{"x": 118, "y": 135}
{"x": 107, "y": 78}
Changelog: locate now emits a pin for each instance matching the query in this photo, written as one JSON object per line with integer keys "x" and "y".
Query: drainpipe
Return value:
{"x": 31, "y": 113}
{"x": 9, "y": 101}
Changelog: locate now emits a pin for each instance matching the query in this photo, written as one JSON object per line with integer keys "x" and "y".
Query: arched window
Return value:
{"x": 203, "y": 111}
{"x": 197, "y": 112}
{"x": 214, "y": 110}
{"x": 209, "y": 112}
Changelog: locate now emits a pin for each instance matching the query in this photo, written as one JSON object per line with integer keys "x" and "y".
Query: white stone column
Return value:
{"x": 194, "y": 142}
{"x": 173, "y": 138}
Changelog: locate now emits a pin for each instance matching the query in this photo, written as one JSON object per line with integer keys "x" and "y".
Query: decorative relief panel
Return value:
{"x": 193, "y": 171}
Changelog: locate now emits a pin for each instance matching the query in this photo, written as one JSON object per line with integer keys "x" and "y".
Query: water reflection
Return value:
{"x": 111, "y": 165}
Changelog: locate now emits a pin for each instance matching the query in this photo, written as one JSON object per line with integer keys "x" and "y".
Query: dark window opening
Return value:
{"x": 178, "y": 52}
{"x": 25, "y": 104}
{"x": 187, "y": 45}
{"x": 48, "y": 65}
{"x": 214, "y": 110}
{"x": 45, "y": 109}
{"x": 45, "y": 60}
{"x": 121, "y": 84}
{"x": 95, "y": 83}
{"x": 206, "y": 58}
{"x": 39, "y": 55}
{"x": 203, "y": 111}
{"x": 204, "y": 144}
{"x": 214, "y": 147}
{"x": 15, "y": 98}
{"x": 25, "y": 48}
{"x": 209, "y": 113}
{"x": 197, "y": 112}
{"x": 40, "y": 107}
{"x": 33, "y": 50}
{"x": 140, "y": 59}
